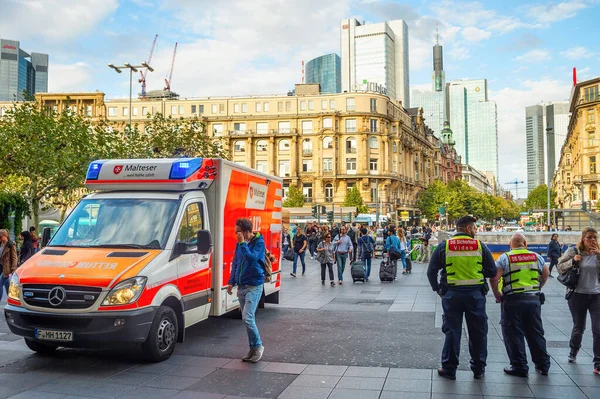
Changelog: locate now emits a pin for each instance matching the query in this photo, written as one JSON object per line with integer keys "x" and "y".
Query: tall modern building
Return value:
{"x": 376, "y": 54}
{"x": 434, "y": 102}
{"x": 546, "y": 127}
{"x": 474, "y": 120}
{"x": 20, "y": 71}
{"x": 326, "y": 71}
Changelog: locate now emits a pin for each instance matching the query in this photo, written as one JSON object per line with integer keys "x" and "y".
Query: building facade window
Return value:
{"x": 350, "y": 185}
{"x": 280, "y": 106}
{"x": 213, "y": 108}
{"x": 350, "y": 104}
{"x": 307, "y": 165}
{"x": 303, "y": 105}
{"x": 125, "y": 111}
{"x": 373, "y": 125}
{"x": 568, "y": 177}
{"x": 262, "y": 146}
{"x": 244, "y": 107}
{"x": 283, "y": 127}
{"x": 239, "y": 146}
{"x": 331, "y": 104}
{"x": 307, "y": 147}
{"x": 307, "y": 127}
{"x": 284, "y": 145}
{"x": 173, "y": 109}
{"x": 288, "y": 105}
{"x": 373, "y": 165}
{"x": 218, "y": 129}
{"x": 394, "y": 147}
{"x": 394, "y": 166}
{"x": 112, "y": 111}
{"x": 373, "y": 143}
{"x": 351, "y": 145}
{"x": 236, "y": 108}
{"x": 284, "y": 168}
{"x": 591, "y": 139}
{"x": 201, "y": 109}
{"x": 311, "y": 105}
{"x": 350, "y": 165}
{"x": 134, "y": 111}
{"x": 262, "y": 127}
{"x": 261, "y": 166}
{"x": 239, "y": 127}
{"x": 591, "y": 116}
{"x": 327, "y": 123}
{"x": 593, "y": 192}
{"x": 327, "y": 164}
{"x": 591, "y": 93}
{"x": 329, "y": 192}
{"x": 373, "y": 103}
{"x": 144, "y": 111}
{"x": 307, "y": 191}
{"x": 258, "y": 107}
{"x": 327, "y": 142}
{"x": 266, "y": 106}
{"x": 593, "y": 164}
{"x": 181, "y": 110}
{"x": 88, "y": 111}
{"x": 350, "y": 125}
{"x": 323, "y": 104}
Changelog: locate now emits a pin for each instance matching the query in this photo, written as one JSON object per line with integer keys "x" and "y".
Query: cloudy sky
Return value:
{"x": 526, "y": 49}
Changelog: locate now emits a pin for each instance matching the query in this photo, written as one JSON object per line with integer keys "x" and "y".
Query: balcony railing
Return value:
{"x": 307, "y": 153}
{"x": 351, "y": 150}
{"x": 308, "y": 200}
{"x": 350, "y": 108}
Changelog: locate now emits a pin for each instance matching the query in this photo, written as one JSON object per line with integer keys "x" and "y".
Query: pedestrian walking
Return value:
{"x": 248, "y": 275}
{"x": 326, "y": 257}
{"x": 424, "y": 249}
{"x": 313, "y": 239}
{"x": 366, "y": 246}
{"x": 8, "y": 260}
{"x": 286, "y": 241}
{"x": 27, "y": 250}
{"x": 464, "y": 263}
{"x": 343, "y": 248}
{"x": 554, "y": 252}
{"x": 524, "y": 273}
{"x": 35, "y": 239}
{"x": 403, "y": 248}
{"x": 300, "y": 244}
{"x": 392, "y": 241}
{"x": 586, "y": 297}
{"x": 353, "y": 234}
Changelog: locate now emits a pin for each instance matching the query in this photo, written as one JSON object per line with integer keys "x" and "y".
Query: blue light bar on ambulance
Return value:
{"x": 94, "y": 170}
{"x": 184, "y": 168}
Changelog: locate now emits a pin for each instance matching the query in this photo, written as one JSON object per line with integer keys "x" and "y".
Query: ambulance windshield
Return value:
{"x": 118, "y": 223}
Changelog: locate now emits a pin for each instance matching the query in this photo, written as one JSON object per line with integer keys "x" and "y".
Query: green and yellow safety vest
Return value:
{"x": 524, "y": 273}
{"x": 464, "y": 261}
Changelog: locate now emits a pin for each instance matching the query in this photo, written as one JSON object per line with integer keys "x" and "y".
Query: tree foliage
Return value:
{"x": 354, "y": 198}
{"x": 463, "y": 199}
{"x": 538, "y": 198}
{"x": 295, "y": 198}
{"x": 14, "y": 205}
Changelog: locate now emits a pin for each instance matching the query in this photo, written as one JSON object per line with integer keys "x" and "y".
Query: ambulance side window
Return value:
{"x": 190, "y": 224}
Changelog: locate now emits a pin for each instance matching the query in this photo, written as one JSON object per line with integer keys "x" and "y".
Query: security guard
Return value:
{"x": 464, "y": 264}
{"x": 524, "y": 273}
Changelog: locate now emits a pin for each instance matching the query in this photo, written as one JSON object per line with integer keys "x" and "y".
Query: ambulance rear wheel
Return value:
{"x": 163, "y": 335}
{"x": 40, "y": 347}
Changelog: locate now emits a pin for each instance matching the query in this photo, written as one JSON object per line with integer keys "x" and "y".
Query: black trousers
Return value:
{"x": 553, "y": 262}
{"x": 354, "y": 245}
{"x": 323, "y": 267}
{"x": 580, "y": 304}
{"x": 521, "y": 319}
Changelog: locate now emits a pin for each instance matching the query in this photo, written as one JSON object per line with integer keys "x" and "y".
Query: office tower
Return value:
{"x": 20, "y": 71}
{"x": 376, "y": 53}
{"x": 546, "y": 126}
{"x": 474, "y": 121}
{"x": 325, "y": 70}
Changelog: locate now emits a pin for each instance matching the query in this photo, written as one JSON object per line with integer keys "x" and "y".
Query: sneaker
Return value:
{"x": 478, "y": 375}
{"x": 258, "y": 352}
{"x": 573, "y": 355}
{"x": 332, "y": 284}
{"x": 293, "y": 274}
{"x": 446, "y": 374}
{"x": 341, "y": 282}
{"x": 404, "y": 272}
{"x": 311, "y": 257}
{"x": 551, "y": 276}
{"x": 248, "y": 356}
{"x": 323, "y": 282}
{"x": 597, "y": 370}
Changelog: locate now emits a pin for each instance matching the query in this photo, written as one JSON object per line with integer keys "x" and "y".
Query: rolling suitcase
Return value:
{"x": 357, "y": 271}
{"x": 387, "y": 271}
{"x": 408, "y": 265}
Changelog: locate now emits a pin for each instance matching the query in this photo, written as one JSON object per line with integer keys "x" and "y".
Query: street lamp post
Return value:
{"x": 446, "y": 215}
{"x": 132, "y": 69}
{"x": 549, "y": 131}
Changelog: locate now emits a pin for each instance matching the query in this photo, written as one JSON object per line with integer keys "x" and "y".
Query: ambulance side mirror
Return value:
{"x": 204, "y": 240}
{"x": 46, "y": 236}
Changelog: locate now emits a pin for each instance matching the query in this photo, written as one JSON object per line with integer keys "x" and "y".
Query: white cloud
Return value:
{"x": 459, "y": 52}
{"x": 534, "y": 56}
{"x": 64, "y": 78}
{"x": 473, "y": 34}
{"x": 62, "y": 20}
{"x": 143, "y": 3}
{"x": 554, "y": 12}
{"x": 576, "y": 53}
{"x": 511, "y": 121}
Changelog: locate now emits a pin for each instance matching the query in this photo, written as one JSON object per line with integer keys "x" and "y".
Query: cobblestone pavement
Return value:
{"x": 373, "y": 340}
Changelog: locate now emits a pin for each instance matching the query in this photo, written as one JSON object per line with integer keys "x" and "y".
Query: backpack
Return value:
{"x": 352, "y": 234}
{"x": 367, "y": 244}
{"x": 267, "y": 265}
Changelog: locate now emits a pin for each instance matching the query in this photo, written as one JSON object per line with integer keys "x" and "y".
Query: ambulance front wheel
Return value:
{"x": 40, "y": 347}
{"x": 163, "y": 335}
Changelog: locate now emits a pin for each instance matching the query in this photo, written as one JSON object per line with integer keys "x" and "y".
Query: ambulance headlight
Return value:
{"x": 126, "y": 292}
{"x": 14, "y": 288}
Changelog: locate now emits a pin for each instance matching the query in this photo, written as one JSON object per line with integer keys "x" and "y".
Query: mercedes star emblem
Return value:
{"x": 57, "y": 296}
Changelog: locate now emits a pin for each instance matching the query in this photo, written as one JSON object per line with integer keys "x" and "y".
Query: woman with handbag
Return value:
{"x": 326, "y": 256}
{"x": 584, "y": 296}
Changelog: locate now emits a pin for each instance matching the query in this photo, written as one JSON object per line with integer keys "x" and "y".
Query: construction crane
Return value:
{"x": 168, "y": 81}
{"x": 516, "y": 184}
{"x": 144, "y": 72}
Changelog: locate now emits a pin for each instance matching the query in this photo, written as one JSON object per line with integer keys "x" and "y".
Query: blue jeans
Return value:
{"x": 301, "y": 256}
{"x": 4, "y": 282}
{"x": 367, "y": 260}
{"x": 471, "y": 304}
{"x": 249, "y": 296}
{"x": 403, "y": 259}
{"x": 341, "y": 264}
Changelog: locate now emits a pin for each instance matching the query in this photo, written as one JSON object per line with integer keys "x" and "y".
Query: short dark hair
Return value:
{"x": 244, "y": 224}
{"x": 32, "y": 228}
{"x": 364, "y": 231}
{"x": 465, "y": 221}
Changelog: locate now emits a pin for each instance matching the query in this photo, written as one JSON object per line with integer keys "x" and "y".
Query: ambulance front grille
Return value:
{"x": 60, "y": 296}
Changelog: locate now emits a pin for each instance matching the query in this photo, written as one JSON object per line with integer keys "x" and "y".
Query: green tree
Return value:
{"x": 295, "y": 198}
{"x": 353, "y": 198}
{"x": 50, "y": 151}
{"x": 430, "y": 199}
{"x": 538, "y": 198}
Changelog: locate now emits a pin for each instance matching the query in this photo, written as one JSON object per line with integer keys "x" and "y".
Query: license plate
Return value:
{"x": 51, "y": 335}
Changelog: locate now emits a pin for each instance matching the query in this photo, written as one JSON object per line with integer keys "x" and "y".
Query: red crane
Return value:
{"x": 144, "y": 72}
{"x": 168, "y": 81}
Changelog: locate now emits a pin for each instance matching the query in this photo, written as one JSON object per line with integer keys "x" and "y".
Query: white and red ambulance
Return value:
{"x": 145, "y": 256}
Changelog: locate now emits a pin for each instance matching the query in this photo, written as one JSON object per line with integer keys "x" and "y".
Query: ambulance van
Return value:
{"x": 145, "y": 256}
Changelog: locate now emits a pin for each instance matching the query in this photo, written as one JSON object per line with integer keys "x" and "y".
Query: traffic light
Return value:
{"x": 315, "y": 211}
{"x": 330, "y": 216}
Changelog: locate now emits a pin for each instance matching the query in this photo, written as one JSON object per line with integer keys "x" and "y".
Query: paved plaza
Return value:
{"x": 373, "y": 340}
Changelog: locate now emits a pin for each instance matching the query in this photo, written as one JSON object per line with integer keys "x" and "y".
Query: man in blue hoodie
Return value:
{"x": 248, "y": 274}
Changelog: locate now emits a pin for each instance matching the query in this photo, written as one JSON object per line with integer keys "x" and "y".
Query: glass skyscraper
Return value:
{"x": 325, "y": 70}
{"x": 20, "y": 71}
{"x": 474, "y": 121}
